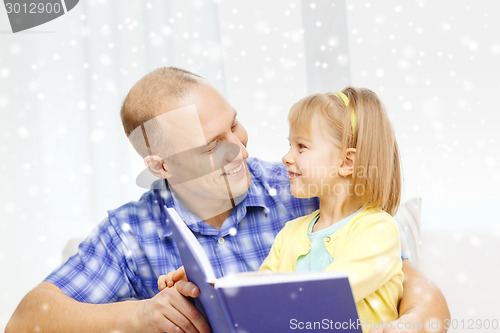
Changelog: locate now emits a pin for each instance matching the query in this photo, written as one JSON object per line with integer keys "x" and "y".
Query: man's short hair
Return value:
{"x": 151, "y": 97}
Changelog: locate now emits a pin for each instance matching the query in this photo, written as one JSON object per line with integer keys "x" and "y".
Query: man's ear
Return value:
{"x": 347, "y": 166}
{"x": 156, "y": 166}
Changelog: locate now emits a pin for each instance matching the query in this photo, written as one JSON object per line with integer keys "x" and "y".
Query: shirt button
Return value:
{"x": 327, "y": 239}
{"x": 220, "y": 241}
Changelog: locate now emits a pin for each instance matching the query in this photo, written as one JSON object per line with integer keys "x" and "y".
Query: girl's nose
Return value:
{"x": 287, "y": 158}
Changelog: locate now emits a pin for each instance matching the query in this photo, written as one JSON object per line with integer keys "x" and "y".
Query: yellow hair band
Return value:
{"x": 353, "y": 115}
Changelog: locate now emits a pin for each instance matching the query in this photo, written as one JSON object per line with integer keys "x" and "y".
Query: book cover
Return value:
{"x": 265, "y": 302}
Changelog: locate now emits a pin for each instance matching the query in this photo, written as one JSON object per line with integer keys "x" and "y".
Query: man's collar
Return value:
{"x": 254, "y": 198}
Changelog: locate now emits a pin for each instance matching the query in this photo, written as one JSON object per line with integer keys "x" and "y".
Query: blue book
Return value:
{"x": 259, "y": 302}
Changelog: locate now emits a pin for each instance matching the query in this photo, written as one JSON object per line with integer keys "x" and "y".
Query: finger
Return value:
{"x": 170, "y": 279}
{"x": 187, "y": 289}
{"x": 169, "y": 326}
{"x": 177, "y": 322}
{"x": 179, "y": 274}
{"x": 162, "y": 282}
{"x": 172, "y": 328}
{"x": 187, "y": 316}
{"x": 169, "y": 276}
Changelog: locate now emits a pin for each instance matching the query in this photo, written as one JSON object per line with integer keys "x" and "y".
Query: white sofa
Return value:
{"x": 466, "y": 266}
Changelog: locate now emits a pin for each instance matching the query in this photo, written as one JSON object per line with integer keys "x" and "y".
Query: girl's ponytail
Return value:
{"x": 377, "y": 170}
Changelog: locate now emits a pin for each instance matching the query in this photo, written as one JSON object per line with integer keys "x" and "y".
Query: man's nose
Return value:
{"x": 231, "y": 154}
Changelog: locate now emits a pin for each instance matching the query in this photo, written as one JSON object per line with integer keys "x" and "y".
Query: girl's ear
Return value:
{"x": 347, "y": 166}
{"x": 156, "y": 166}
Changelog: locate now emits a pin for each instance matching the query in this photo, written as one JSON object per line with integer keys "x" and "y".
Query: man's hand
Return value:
{"x": 48, "y": 309}
{"x": 423, "y": 307}
{"x": 169, "y": 311}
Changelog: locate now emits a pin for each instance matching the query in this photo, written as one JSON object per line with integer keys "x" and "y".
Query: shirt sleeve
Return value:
{"x": 371, "y": 256}
{"x": 98, "y": 272}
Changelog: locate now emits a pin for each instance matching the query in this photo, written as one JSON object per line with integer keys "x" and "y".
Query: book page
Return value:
{"x": 261, "y": 278}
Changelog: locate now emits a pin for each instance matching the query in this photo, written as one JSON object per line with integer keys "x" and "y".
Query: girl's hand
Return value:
{"x": 171, "y": 278}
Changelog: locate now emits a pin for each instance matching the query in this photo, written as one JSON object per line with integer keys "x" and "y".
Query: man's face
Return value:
{"x": 206, "y": 148}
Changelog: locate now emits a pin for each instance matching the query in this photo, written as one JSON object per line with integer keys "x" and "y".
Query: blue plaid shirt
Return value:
{"x": 123, "y": 257}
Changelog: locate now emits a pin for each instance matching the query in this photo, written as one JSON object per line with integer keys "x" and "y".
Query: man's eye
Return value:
{"x": 234, "y": 126}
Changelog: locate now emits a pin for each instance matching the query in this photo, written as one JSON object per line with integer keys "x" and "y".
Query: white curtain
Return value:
{"x": 65, "y": 158}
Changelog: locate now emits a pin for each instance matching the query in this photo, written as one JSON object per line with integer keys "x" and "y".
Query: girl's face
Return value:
{"x": 313, "y": 162}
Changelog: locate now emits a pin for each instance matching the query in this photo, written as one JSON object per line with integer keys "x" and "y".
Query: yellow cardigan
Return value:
{"x": 366, "y": 247}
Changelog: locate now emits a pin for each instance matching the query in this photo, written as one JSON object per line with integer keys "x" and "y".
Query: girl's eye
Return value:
{"x": 301, "y": 146}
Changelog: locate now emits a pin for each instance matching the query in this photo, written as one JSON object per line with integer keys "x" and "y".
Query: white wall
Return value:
{"x": 435, "y": 64}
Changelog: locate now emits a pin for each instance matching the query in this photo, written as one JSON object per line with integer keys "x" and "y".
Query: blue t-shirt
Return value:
{"x": 318, "y": 258}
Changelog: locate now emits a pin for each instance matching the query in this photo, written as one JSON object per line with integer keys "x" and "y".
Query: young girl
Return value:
{"x": 343, "y": 150}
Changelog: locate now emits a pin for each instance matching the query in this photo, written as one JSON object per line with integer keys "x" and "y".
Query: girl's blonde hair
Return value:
{"x": 377, "y": 169}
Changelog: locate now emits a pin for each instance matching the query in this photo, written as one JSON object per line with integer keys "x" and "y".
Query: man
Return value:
{"x": 189, "y": 135}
